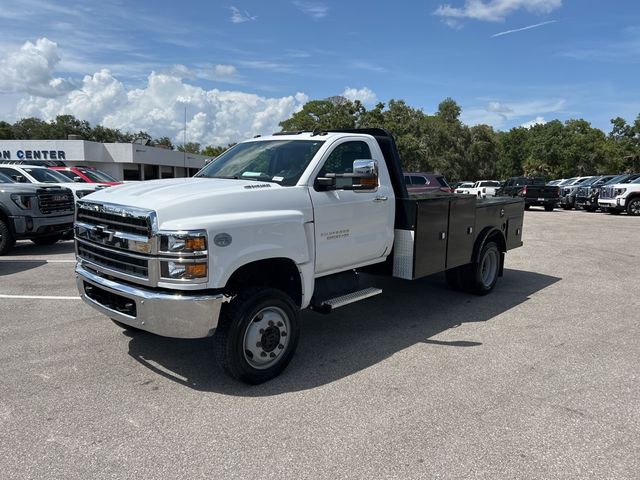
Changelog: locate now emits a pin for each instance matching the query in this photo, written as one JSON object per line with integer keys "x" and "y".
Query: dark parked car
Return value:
{"x": 568, "y": 191}
{"x": 426, "y": 183}
{"x": 587, "y": 194}
{"x": 534, "y": 191}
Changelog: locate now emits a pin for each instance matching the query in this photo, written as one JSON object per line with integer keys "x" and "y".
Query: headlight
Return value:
{"x": 23, "y": 200}
{"x": 619, "y": 191}
{"x": 194, "y": 241}
{"x": 175, "y": 270}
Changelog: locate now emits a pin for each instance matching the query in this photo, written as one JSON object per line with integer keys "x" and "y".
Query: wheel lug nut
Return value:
{"x": 271, "y": 323}
{"x": 259, "y": 317}
{"x": 280, "y": 324}
{"x": 272, "y": 355}
{"x": 283, "y": 334}
{"x": 281, "y": 346}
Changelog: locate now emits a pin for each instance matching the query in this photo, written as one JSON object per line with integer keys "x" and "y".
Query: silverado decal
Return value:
{"x": 336, "y": 234}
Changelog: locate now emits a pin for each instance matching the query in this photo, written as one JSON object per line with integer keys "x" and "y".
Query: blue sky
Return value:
{"x": 240, "y": 67}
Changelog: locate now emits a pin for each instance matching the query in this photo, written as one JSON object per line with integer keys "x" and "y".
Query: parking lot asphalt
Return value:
{"x": 539, "y": 379}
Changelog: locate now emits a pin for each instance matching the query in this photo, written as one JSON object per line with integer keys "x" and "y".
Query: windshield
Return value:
{"x": 44, "y": 175}
{"x": 97, "y": 176}
{"x": 5, "y": 179}
{"x": 489, "y": 184}
{"x": 279, "y": 161}
{"x": 568, "y": 181}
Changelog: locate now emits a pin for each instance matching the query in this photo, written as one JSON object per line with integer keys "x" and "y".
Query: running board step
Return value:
{"x": 352, "y": 297}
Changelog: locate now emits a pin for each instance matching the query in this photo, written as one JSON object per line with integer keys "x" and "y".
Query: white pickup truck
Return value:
{"x": 620, "y": 197}
{"x": 484, "y": 188}
{"x": 274, "y": 225}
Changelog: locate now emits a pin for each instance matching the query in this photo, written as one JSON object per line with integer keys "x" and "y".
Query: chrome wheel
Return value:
{"x": 266, "y": 337}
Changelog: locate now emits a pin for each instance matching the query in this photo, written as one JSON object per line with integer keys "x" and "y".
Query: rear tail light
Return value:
{"x": 524, "y": 191}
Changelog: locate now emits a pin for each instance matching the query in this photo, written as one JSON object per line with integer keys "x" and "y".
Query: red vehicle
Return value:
{"x": 87, "y": 175}
{"x": 426, "y": 183}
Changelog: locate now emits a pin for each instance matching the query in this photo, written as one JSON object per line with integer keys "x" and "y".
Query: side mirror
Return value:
{"x": 365, "y": 168}
{"x": 324, "y": 184}
{"x": 19, "y": 178}
{"x": 77, "y": 179}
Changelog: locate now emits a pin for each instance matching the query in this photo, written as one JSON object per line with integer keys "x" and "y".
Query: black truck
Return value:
{"x": 533, "y": 190}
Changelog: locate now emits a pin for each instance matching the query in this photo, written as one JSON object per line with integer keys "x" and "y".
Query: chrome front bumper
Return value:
{"x": 177, "y": 315}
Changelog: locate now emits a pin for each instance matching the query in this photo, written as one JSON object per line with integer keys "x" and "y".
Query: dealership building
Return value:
{"x": 123, "y": 161}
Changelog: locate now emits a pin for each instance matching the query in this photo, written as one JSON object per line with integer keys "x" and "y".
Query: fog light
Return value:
{"x": 29, "y": 223}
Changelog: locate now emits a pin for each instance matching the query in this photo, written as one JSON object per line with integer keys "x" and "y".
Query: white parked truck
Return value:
{"x": 484, "y": 188}
{"x": 274, "y": 225}
{"x": 620, "y": 197}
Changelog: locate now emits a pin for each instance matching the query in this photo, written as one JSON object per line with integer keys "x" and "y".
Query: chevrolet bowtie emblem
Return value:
{"x": 102, "y": 232}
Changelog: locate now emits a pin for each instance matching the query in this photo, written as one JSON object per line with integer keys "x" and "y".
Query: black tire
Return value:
{"x": 548, "y": 208}
{"x": 6, "y": 238}
{"x": 480, "y": 277}
{"x": 257, "y": 335}
{"x": 633, "y": 207}
{"x": 126, "y": 327}
{"x": 527, "y": 207}
{"x": 566, "y": 207}
{"x": 48, "y": 240}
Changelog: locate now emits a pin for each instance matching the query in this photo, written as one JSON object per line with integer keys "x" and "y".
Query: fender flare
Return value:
{"x": 481, "y": 241}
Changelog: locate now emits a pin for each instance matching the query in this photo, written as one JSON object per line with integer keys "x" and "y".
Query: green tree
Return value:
{"x": 6, "y": 131}
{"x": 65, "y": 125}
{"x": 32, "y": 129}
{"x": 164, "y": 141}
{"x": 190, "y": 147}
{"x": 324, "y": 115}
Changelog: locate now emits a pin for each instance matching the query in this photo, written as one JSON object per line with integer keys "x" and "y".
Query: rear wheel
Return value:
{"x": 480, "y": 277}
{"x": 633, "y": 207}
{"x": 257, "y": 335}
{"x": 6, "y": 239}
{"x": 48, "y": 240}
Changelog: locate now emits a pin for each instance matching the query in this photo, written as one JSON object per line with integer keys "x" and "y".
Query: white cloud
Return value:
{"x": 214, "y": 117}
{"x": 496, "y": 10}
{"x": 240, "y": 17}
{"x": 535, "y": 121}
{"x": 365, "y": 95}
{"x": 498, "y": 114}
{"x": 30, "y": 70}
{"x": 313, "y": 9}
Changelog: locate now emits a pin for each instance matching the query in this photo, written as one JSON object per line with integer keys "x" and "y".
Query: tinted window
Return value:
{"x": 98, "y": 176}
{"x": 407, "y": 180}
{"x": 68, "y": 173}
{"x": 5, "y": 178}
{"x": 44, "y": 175}
{"x": 420, "y": 180}
{"x": 341, "y": 160}
{"x": 279, "y": 161}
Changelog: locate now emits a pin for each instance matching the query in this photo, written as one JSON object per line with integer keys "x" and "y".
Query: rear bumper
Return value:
{"x": 177, "y": 315}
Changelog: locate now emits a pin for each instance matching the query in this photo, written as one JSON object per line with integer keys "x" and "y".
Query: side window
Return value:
{"x": 407, "y": 180}
{"x": 418, "y": 180}
{"x": 342, "y": 158}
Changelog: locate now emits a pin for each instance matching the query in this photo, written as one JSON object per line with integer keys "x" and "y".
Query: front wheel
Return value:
{"x": 6, "y": 239}
{"x": 257, "y": 335}
{"x": 633, "y": 207}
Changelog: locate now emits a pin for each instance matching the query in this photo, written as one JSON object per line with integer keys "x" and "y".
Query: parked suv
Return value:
{"x": 619, "y": 197}
{"x": 426, "y": 183}
{"x": 87, "y": 175}
{"x": 42, "y": 214}
{"x": 568, "y": 191}
{"x": 587, "y": 193}
{"x": 43, "y": 175}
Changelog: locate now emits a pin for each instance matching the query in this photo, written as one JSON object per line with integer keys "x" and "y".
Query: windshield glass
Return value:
{"x": 489, "y": 184}
{"x": 44, "y": 175}
{"x": 568, "y": 181}
{"x": 5, "y": 179}
{"x": 97, "y": 176}
{"x": 279, "y": 161}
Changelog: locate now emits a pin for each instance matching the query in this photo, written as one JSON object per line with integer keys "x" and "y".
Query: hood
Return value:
{"x": 182, "y": 202}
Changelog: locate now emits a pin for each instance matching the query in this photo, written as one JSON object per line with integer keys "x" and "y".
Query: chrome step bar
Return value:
{"x": 351, "y": 298}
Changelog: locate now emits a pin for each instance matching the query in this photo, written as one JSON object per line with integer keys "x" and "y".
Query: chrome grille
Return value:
{"x": 606, "y": 192}
{"x": 115, "y": 218}
{"x": 116, "y": 240}
{"x": 55, "y": 200}
{"x": 120, "y": 262}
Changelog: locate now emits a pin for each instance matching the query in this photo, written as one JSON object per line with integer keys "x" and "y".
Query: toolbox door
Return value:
{"x": 432, "y": 218}
{"x": 462, "y": 219}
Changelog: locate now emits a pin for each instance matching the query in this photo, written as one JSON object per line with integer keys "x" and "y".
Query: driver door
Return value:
{"x": 352, "y": 227}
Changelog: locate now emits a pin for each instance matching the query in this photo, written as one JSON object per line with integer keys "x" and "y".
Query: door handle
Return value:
{"x": 381, "y": 198}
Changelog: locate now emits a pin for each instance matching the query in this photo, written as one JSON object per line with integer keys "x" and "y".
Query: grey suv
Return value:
{"x": 40, "y": 213}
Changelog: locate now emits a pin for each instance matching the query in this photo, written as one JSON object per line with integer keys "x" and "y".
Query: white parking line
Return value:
{"x": 39, "y": 297}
